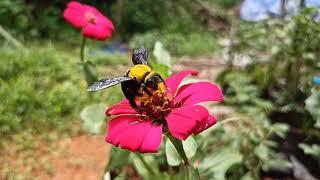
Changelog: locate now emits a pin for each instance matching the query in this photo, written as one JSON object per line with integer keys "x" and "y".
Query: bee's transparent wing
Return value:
{"x": 106, "y": 83}
{"x": 140, "y": 56}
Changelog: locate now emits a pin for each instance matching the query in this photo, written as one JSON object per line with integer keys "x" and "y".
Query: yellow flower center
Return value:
{"x": 157, "y": 105}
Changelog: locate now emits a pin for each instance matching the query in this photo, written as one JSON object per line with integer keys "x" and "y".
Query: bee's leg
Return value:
{"x": 161, "y": 78}
{"x": 127, "y": 72}
{"x": 144, "y": 87}
{"x": 132, "y": 102}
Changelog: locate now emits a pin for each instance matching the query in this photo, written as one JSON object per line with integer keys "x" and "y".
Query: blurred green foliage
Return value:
{"x": 249, "y": 135}
{"x": 313, "y": 105}
{"x": 139, "y": 21}
{"x": 43, "y": 88}
{"x": 192, "y": 43}
{"x": 16, "y": 15}
{"x": 281, "y": 57}
{"x": 34, "y": 84}
{"x": 282, "y": 44}
{"x": 313, "y": 150}
{"x": 225, "y": 3}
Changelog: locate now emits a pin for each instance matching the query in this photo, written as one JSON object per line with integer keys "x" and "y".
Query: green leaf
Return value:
{"x": 172, "y": 155}
{"x": 280, "y": 129}
{"x": 163, "y": 176}
{"x": 190, "y": 146}
{"x": 270, "y": 159}
{"x": 89, "y": 72}
{"x": 313, "y": 105}
{"x": 121, "y": 176}
{"x": 216, "y": 164}
{"x": 152, "y": 162}
{"x": 93, "y": 117}
{"x": 141, "y": 168}
{"x": 162, "y": 69}
{"x": 276, "y": 164}
{"x": 188, "y": 173}
{"x": 262, "y": 151}
{"x": 313, "y": 150}
{"x": 119, "y": 158}
{"x": 247, "y": 176}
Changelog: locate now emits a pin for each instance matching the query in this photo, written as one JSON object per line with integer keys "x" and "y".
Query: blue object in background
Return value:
{"x": 115, "y": 47}
{"x": 111, "y": 48}
{"x": 257, "y": 10}
{"x": 316, "y": 79}
{"x": 312, "y": 3}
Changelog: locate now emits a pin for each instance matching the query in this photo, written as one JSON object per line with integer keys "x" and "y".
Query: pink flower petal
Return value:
{"x": 75, "y": 5}
{"x": 152, "y": 140}
{"x": 184, "y": 120}
{"x": 105, "y": 22}
{"x": 96, "y": 32}
{"x": 173, "y": 81}
{"x": 101, "y": 20}
{"x": 206, "y": 123}
{"x": 75, "y": 17}
{"x": 124, "y": 101}
{"x": 120, "y": 108}
{"x": 194, "y": 93}
{"x": 92, "y": 9}
{"x": 130, "y": 132}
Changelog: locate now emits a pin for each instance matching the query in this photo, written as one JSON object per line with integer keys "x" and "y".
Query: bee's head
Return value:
{"x": 139, "y": 72}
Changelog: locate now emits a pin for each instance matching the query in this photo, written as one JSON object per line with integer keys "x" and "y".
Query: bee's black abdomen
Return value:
{"x": 130, "y": 90}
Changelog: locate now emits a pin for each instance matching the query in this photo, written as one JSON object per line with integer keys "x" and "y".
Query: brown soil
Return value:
{"x": 76, "y": 158}
{"x": 86, "y": 159}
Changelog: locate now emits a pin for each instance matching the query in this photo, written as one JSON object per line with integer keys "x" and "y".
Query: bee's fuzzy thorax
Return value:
{"x": 139, "y": 71}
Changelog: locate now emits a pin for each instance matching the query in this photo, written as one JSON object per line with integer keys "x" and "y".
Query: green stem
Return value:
{"x": 89, "y": 75}
{"x": 187, "y": 172}
{"x": 146, "y": 165}
{"x": 83, "y": 44}
{"x": 179, "y": 147}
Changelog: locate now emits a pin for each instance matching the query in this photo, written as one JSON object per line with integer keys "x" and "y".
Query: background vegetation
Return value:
{"x": 267, "y": 81}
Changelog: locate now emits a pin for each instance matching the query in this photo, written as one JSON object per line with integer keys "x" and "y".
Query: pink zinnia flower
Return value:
{"x": 176, "y": 111}
{"x": 93, "y": 24}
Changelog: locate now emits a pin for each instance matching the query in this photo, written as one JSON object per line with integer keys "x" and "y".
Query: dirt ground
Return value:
{"x": 86, "y": 159}
{"x": 75, "y": 158}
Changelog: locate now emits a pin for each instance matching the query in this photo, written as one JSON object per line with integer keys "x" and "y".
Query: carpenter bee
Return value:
{"x": 139, "y": 79}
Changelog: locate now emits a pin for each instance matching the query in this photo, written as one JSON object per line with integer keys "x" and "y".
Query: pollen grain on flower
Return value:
{"x": 156, "y": 106}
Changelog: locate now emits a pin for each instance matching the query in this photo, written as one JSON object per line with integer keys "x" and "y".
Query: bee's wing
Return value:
{"x": 105, "y": 83}
{"x": 140, "y": 56}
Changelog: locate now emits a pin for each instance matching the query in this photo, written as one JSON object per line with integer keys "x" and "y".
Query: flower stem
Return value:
{"x": 179, "y": 147}
{"x": 82, "y": 50}
{"x": 146, "y": 165}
